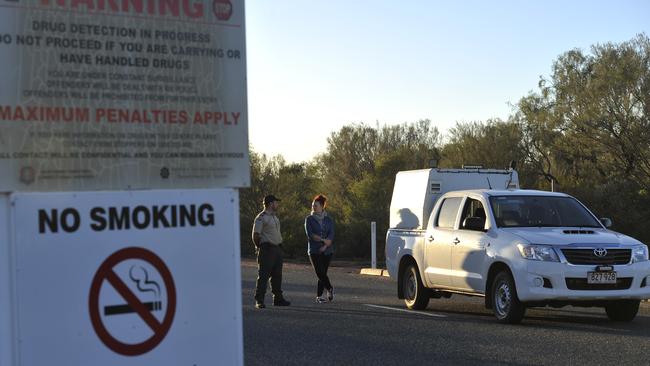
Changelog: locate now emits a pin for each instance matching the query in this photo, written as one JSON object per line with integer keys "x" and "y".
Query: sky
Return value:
{"x": 316, "y": 66}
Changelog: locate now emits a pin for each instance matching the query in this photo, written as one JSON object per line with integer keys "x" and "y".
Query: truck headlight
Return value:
{"x": 538, "y": 252}
{"x": 639, "y": 253}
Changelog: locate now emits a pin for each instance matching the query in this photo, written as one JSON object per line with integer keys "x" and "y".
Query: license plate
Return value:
{"x": 597, "y": 278}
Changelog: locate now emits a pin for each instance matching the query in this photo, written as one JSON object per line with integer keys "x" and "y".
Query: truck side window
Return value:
{"x": 448, "y": 212}
{"x": 473, "y": 208}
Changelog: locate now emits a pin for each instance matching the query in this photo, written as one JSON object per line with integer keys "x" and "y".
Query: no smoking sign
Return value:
{"x": 132, "y": 301}
{"x": 174, "y": 299}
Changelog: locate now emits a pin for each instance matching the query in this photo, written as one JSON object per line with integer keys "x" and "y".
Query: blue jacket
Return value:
{"x": 326, "y": 232}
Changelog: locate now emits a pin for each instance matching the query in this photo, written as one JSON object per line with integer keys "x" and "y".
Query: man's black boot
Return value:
{"x": 281, "y": 302}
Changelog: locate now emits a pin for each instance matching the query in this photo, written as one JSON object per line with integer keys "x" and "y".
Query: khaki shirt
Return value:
{"x": 268, "y": 226}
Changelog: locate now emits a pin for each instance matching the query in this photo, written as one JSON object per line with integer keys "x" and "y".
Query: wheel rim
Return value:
{"x": 502, "y": 299}
{"x": 410, "y": 286}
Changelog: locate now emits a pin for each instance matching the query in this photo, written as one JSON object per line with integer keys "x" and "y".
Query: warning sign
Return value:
{"x": 119, "y": 95}
{"x": 134, "y": 304}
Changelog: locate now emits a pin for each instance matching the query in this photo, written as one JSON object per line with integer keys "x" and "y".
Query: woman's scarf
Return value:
{"x": 319, "y": 217}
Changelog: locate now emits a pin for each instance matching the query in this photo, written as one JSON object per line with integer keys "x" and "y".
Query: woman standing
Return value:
{"x": 320, "y": 233}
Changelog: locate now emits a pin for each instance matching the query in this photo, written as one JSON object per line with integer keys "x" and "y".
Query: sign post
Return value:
{"x": 373, "y": 244}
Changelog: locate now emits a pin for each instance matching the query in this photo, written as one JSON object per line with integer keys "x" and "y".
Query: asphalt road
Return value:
{"x": 367, "y": 325}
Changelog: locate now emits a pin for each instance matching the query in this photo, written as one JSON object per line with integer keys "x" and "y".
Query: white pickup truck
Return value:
{"x": 516, "y": 248}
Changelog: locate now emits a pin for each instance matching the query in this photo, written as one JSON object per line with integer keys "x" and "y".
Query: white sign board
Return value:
{"x": 117, "y": 278}
{"x": 112, "y": 94}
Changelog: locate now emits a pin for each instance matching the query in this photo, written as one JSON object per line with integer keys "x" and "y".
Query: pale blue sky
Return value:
{"x": 315, "y": 66}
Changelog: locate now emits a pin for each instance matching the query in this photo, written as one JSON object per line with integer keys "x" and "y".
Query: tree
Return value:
{"x": 359, "y": 171}
{"x": 595, "y": 109}
{"x": 352, "y": 151}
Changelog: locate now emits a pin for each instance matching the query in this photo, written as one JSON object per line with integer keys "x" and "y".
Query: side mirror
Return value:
{"x": 474, "y": 223}
{"x": 606, "y": 222}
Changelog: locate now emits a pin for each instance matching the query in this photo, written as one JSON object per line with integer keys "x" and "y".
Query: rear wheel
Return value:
{"x": 622, "y": 311}
{"x": 416, "y": 296}
{"x": 505, "y": 303}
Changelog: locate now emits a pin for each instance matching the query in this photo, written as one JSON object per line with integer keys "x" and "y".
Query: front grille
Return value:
{"x": 581, "y": 284}
{"x": 587, "y": 256}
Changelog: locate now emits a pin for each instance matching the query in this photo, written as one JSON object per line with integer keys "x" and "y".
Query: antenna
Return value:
{"x": 511, "y": 168}
{"x": 489, "y": 184}
{"x": 513, "y": 165}
{"x": 509, "y": 179}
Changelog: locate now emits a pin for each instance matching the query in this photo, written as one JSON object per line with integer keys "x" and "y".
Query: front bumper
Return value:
{"x": 556, "y": 273}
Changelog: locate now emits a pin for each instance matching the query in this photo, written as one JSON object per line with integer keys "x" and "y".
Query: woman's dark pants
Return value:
{"x": 321, "y": 263}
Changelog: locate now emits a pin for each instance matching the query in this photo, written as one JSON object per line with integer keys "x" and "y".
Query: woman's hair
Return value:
{"x": 321, "y": 199}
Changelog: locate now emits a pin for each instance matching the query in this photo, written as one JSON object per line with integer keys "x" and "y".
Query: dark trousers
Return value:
{"x": 269, "y": 264}
{"x": 321, "y": 263}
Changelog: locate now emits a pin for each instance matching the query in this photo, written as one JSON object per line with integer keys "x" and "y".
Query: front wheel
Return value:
{"x": 506, "y": 304}
{"x": 416, "y": 295}
{"x": 622, "y": 311}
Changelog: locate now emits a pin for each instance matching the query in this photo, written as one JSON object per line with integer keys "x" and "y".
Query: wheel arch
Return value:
{"x": 495, "y": 268}
{"x": 404, "y": 261}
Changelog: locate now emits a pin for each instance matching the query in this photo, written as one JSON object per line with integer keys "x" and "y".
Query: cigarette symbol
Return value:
{"x": 140, "y": 277}
{"x": 126, "y": 309}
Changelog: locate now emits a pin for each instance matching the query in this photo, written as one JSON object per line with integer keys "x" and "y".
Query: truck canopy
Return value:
{"x": 416, "y": 191}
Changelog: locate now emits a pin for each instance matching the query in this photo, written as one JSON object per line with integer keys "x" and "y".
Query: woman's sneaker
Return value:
{"x": 320, "y": 300}
{"x": 330, "y": 294}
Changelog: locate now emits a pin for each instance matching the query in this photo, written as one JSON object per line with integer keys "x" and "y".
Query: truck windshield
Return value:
{"x": 540, "y": 211}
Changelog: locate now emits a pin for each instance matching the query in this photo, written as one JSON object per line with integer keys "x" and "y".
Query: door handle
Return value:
{"x": 456, "y": 241}
{"x": 430, "y": 238}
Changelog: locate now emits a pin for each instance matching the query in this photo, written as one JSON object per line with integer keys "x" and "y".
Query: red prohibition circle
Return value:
{"x": 106, "y": 273}
{"x": 222, "y": 9}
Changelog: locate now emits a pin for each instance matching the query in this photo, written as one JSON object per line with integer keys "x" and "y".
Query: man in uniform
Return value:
{"x": 268, "y": 243}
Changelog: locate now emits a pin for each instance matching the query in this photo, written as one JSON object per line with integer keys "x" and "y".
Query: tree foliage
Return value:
{"x": 589, "y": 123}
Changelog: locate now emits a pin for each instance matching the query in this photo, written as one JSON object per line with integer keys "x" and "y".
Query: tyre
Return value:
{"x": 622, "y": 311}
{"x": 416, "y": 296}
{"x": 505, "y": 303}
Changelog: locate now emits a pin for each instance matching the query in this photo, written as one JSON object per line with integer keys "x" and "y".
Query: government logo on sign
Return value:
{"x": 27, "y": 175}
{"x": 164, "y": 172}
